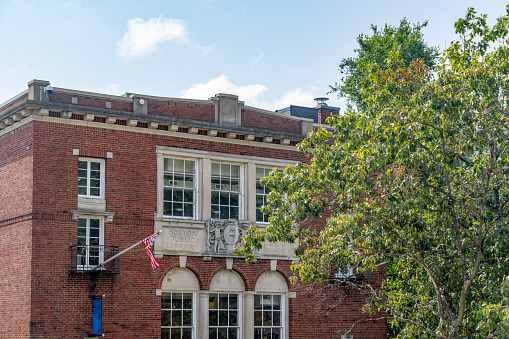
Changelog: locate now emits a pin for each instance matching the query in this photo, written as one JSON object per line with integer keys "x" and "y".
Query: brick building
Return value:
{"x": 84, "y": 175}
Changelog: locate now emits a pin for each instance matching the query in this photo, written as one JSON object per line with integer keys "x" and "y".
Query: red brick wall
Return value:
{"x": 84, "y": 100}
{"x": 182, "y": 110}
{"x": 15, "y": 232}
{"x": 271, "y": 122}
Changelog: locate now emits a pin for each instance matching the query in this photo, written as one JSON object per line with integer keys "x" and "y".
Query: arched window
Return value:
{"x": 178, "y": 304}
{"x": 225, "y": 305}
{"x": 270, "y": 306}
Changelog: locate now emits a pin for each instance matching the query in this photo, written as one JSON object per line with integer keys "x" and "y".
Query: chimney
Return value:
{"x": 324, "y": 111}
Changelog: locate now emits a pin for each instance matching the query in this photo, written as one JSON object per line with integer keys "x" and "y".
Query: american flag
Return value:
{"x": 149, "y": 242}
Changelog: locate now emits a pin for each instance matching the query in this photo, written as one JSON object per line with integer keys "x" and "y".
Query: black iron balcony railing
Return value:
{"x": 84, "y": 258}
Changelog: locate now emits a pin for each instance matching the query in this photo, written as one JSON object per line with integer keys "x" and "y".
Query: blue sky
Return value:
{"x": 270, "y": 53}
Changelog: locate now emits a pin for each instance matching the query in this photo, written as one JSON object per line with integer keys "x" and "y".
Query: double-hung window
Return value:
{"x": 179, "y": 188}
{"x": 90, "y": 248}
{"x": 268, "y": 316}
{"x": 224, "y": 316}
{"x": 225, "y": 191}
{"x": 91, "y": 178}
{"x": 177, "y": 320}
{"x": 261, "y": 194}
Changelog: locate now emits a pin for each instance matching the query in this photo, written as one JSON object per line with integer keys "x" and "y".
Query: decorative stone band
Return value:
{"x": 212, "y": 238}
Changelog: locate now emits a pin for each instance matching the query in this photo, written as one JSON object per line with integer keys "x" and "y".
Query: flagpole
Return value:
{"x": 120, "y": 253}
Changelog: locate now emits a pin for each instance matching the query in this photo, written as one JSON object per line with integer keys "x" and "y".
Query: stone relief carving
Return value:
{"x": 224, "y": 234}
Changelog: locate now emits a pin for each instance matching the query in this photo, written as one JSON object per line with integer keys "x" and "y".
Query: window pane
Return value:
{"x": 232, "y": 333}
{"x": 224, "y": 212}
{"x": 266, "y": 333}
{"x": 189, "y": 181}
{"x": 82, "y": 190}
{"x": 225, "y": 184}
{"x": 165, "y": 318}
{"x": 216, "y": 184}
{"x": 176, "y": 301}
{"x": 178, "y": 166}
{"x": 165, "y": 300}
{"x": 82, "y": 182}
{"x": 167, "y": 208}
{"x": 168, "y": 179}
{"x": 258, "y": 333}
{"x": 188, "y": 196}
{"x": 168, "y": 165}
{"x": 257, "y": 302}
{"x": 95, "y": 174}
{"x": 276, "y": 302}
{"x": 94, "y": 233}
{"x": 95, "y": 166}
{"x": 258, "y": 318}
{"x": 267, "y": 302}
{"x": 235, "y": 185}
{"x": 223, "y": 198}
{"x": 225, "y": 170}
{"x": 233, "y": 301}
{"x": 94, "y": 223}
{"x": 223, "y": 301}
{"x": 94, "y": 192}
{"x": 165, "y": 333}
{"x": 189, "y": 166}
{"x": 187, "y": 318}
{"x": 168, "y": 194}
{"x": 215, "y": 211}
{"x": 213, "y": 333}
{"x": 82, "y": 164}
{"x": 276, "y": 333}
{"x": 222, "y": 333}
{"x": 223, "y": 318}
{"x": 234, "y": 212}
{"x": 234, "y": 199}
{"x": 215, "y": 169}
{"x": 82, "y": 173}
{"x": 215, "y": 198}
{"x": 178, "y": 195}
{"x": 178, "y": 180}
{"x": 260, "y": 173}
{"x": 213, "y": 301}
{"x": 267, "y": 318}
{"x": 235, "y": 171}
{"x": 276, "y": 318}
{"x": 187, "y": 333}
{"x": 176, "y": 318}
{"x": 187, "y": 301}
{"x": 175, "y": 333}
{"x": 233, "y": 319}
{"x": 95, "y": 183}
{"x": 213, "y": 317}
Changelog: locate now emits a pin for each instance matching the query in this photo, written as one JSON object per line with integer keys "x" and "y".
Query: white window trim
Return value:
{"x": 240, "y": 308}
{"x": 101, "y": 239}
{"x": 284, "y": 320}
{"x": 160, "y": 190}
{"x": 102, "y": 180}
{"x": 242, "y": 196}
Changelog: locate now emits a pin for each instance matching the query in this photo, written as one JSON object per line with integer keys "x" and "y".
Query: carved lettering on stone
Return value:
{"x": 223, "y": 235}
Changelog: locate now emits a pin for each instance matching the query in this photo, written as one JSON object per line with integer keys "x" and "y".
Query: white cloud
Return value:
{"x": 222, "y": 84}
{"x": 249, "y": 93}
{"x": 142, "y": 37}
{"x": 113, "y": 89}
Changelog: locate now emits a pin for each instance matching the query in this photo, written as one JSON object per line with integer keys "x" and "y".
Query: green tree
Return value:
{"x": 419, "y": 179}
{"x": 372, "y": 56}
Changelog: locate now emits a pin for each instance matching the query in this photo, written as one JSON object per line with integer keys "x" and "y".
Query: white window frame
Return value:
{"x": 282, "y": 319}
{"x": 240, "y": 314}
{"x": 241, "y": 187}
{"x": 195, "y": 188}
{"x": 88, "y": 178}
{"x": 195, "y": 311}
{"x": 87, "y": 242}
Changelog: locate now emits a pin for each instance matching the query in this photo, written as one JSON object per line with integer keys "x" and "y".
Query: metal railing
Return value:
{"x": 84, "y": 258}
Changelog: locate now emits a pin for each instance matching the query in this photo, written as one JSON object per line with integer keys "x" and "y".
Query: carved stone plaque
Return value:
{"x": 223, "y": 235}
